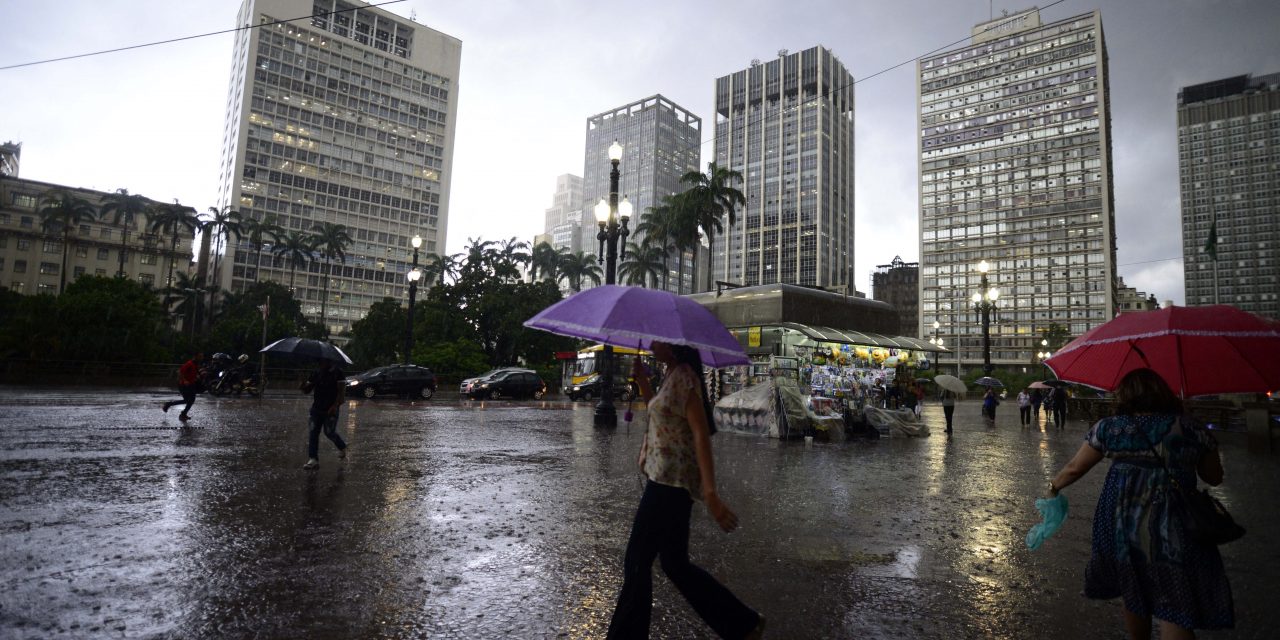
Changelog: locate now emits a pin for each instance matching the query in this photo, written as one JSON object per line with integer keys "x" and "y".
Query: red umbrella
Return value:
{"x": 1197, "y": 350}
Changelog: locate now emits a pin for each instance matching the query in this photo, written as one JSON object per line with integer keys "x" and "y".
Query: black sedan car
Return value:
{"x": 509, "y": 384}
{"x": 397, "y": 379}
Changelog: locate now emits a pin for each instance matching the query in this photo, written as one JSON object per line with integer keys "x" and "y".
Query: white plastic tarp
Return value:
{"x": 902, "y": 422}
{"x": 773, "y": 408}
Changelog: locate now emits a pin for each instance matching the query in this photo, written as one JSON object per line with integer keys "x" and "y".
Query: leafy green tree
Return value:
{"x": 576, "y": 267}
{"x": 511, "y": 255}
{"x": 60, "y": 212}
{"x": 297, "y": 249}
{"x": 99, "y": 318}
{"x": 544, "y": 259}
{"x": 642, "y": 264}
{"x": 261, "y": 232}
{"x": 174, "y": 219}
{"x": 376, "y": 339}
{"x": 238, "y": 326}
{"x": 710, "y": 199}
{"x": 221, "y": 225}
{"x": 435, "y": 267}
{"x": 124, "y": 209}
{"x": 331, "y": 240}
{"x": 184, "y": 297}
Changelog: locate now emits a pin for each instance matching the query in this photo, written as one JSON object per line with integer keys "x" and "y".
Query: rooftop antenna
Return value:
{"x": 413, "y": 15}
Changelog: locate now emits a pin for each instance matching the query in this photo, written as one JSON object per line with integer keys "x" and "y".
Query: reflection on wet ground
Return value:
{"x": 509, "y": 520}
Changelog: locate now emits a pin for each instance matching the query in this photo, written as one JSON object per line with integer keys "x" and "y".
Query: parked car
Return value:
{"x": 465, "y": 387}
{"x": 509, "y": 384}
{"x": 398, "y": 379}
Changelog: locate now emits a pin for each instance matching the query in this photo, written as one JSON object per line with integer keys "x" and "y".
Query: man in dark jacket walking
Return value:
{"x": 327, "y": 386}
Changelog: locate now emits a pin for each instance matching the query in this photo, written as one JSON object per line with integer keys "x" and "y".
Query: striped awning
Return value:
{"x": 861, "y": 338}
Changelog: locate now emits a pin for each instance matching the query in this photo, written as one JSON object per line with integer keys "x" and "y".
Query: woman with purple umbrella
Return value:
{"x": 676, "y": 459}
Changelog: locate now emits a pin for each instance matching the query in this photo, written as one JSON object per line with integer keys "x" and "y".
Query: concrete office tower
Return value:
{"x": 346, "y": 118}
{"x": 661, "y": 141}
{"x": 1228, "y": 154}
{"x": 1015, "y": 169}
{"x": 564, "y": 217}
{"x": 787, "y": 126}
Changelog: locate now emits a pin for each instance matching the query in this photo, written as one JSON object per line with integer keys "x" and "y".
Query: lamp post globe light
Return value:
{"x": 984, "y": 301}
{"x": 612, "y": 218}
{"x": 414, "y": 275}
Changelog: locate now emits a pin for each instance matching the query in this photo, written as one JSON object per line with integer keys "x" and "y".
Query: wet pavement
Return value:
{"x": 488, "y": 520}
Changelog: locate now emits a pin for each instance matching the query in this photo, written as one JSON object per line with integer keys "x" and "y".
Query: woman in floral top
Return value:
{"x": 676, "y": 459}
{"x": 1141, "y": 550}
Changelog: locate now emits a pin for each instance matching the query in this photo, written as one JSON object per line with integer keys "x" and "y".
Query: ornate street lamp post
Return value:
{"x": 984, "y": 301}
{"x": 414, "y": 275}
{"x": 612, "y": 217}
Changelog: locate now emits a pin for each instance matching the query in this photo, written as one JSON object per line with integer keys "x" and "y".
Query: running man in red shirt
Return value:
{"x": 188, "y": 385}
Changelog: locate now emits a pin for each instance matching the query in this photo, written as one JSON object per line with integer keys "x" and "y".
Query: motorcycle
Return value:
{"x": 237, "y": 379}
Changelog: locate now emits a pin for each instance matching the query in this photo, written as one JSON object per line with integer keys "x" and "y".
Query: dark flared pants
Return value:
{"x": 661, "y": 530}
{"x": 949, "y": 411}
{"x": 188, "y": 398}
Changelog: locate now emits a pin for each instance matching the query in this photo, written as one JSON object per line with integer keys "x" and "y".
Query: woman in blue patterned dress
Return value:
{"x": 1141, "y": 550}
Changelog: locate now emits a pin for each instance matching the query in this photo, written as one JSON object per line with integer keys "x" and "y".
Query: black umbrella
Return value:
{"x": 1057, "y": 383}
{"x": 988, "y": 381}
{"x": 308, "y": 348}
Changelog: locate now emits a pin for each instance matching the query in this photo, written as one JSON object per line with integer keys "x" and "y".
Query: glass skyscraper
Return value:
{"x": 1229, "y": 161}
{"x": 1015, "y": 169}
{"x": 346, "y": 117}
{"x": 787, "y": 126}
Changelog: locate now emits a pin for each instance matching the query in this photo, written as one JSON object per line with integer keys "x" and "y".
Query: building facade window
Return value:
{"x": 49, "y": 269}
{"x": 103, "y": 254}
{"x": 19, "y": 266}
{"x": 147, "y": 258}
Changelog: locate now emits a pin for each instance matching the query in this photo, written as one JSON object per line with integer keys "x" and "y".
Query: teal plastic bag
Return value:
{"x": 1054, "y": 512}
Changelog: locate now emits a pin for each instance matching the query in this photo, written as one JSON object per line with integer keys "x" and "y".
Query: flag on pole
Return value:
{"x": 1211, "y": 245}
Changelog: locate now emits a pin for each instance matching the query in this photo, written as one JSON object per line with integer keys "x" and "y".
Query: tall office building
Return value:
{"x": 1015, "y": 169}
{"x": 564, "y": 216}
{"x": 1229, "y": 161}
{"x": 346, "y": 117}
{"x": 787, "y": 126}
{"x": 661, "y": 141}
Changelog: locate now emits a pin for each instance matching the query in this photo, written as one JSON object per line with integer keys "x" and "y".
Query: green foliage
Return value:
{"x": 378, "y": 338}
{"x": 452, "y": 360}
{"x": 238, "y": 328}
{"x": 95, "y": 319}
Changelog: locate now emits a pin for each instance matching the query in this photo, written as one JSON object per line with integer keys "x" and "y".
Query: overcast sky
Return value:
{"x": 150, "y": 120}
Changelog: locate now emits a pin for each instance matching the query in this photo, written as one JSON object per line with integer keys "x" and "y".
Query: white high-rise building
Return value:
{"x": 1015, "y": 170}
{"x": 564, "y": 217}
{"x": 346, "y": 117}
{"x": 787, "y": 126}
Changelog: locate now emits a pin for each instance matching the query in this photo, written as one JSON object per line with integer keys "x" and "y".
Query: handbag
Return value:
{"x": 1206, "y": 520}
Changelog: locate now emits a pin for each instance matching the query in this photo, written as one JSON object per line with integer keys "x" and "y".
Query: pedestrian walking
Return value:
{"x": 188, "y": 385}
{"x": 1024, "y": 407}
{"x": 918, "y": 390}
{"x": 1059, "y": 408}
{"x": 328, "y": 390}
{"x": 989, "y": 404}
{"x": 948, "y": 399}
{"x": 1048, "y": 404}
{"x": 1037, "y": 399}
{"x": 677, "y": 461}
{"x": 1142, "y": 551}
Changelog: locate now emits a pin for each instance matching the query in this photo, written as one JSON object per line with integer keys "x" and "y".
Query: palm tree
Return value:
{"x": 577, "y": 266}
{"x": 331, "y": 240}
{"x": 124, "y": 209}
{"x": 511, "y": 255}
{"x": 261, "y": 232}
{"x": 675, "y": 219}
{"x": 544, "y": 259}
{"x": 479, "y": 253}
{"x": 172, "y": 218}
{"x": 221, "y": 225}
{"x": 657, "y": 226}
{"x": 436, "y": 266}
{"x": 712, "y": 197}
{"x": 184, "y": 298}
{"x": 61, "y": 211}
{"x": 296, "y": 247}
{"x": 644, "y": 263}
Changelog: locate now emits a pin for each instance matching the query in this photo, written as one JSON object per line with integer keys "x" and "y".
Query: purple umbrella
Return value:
{"x": 638, "y": 317}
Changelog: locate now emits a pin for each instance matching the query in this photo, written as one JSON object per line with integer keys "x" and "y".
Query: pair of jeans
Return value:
{"x": 1024, "y": 414}
{"x": 188, "y": 396}
{"x": 661, "y": 531}
{"x": 329, "y": 424}
{"x": 948, "y": 410}
{"x": 1059, "y": 416}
